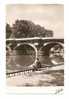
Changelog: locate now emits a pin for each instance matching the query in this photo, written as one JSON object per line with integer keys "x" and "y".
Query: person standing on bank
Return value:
{"x": 37, "y": 65}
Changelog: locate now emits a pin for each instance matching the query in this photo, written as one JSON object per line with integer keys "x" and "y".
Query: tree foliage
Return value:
{"x": 26, "y": 28}
{"x": 8, "y": 31}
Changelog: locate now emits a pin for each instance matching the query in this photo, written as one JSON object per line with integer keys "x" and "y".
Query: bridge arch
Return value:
{"x": 52, "y": 52}
{"x": 29, "y": 53}
{"x": 52, "y": 42}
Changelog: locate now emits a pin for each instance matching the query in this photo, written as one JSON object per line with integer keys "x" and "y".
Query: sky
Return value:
{"x": 50, "y": 16}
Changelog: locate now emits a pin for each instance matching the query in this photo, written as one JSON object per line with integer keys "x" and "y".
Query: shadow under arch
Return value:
{"x": 51, "y": 53}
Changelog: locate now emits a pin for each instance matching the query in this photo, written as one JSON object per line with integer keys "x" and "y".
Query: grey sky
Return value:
{"x": 49, "y": 16}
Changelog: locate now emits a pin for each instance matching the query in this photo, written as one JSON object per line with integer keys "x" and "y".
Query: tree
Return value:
{"x": 26, "y": 28}
{"x": 22, "y": 28}
{"x": 8, "y": 31}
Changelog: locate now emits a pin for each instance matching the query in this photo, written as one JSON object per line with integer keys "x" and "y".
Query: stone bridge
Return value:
{"x": 25, "y": 51}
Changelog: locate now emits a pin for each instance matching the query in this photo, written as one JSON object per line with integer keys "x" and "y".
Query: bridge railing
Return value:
{"x": 12, "y": 74}
{"x": 17, "y": 73}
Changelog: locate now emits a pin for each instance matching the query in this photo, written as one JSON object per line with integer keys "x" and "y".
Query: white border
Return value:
{"x": 3, "y": 89}
{"x": 33, "y": 1}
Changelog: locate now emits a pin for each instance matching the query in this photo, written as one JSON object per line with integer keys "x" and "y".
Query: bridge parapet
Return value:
{"x": 35, "y": 41}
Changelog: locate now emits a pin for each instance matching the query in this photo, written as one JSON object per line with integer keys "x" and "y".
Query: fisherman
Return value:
{"x": 37, "y": 65}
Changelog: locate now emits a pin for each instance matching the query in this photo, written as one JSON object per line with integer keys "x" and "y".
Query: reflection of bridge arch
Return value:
{"x": 24, "y": 49}
{"x": 53, "y": 55}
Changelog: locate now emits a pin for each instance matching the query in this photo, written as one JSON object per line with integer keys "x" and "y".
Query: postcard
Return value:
{"x": 35, "y": 47}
